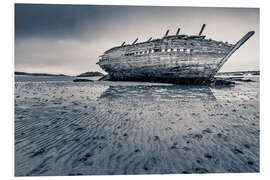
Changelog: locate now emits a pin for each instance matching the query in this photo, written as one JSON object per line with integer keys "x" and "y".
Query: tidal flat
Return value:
{"x": 104, "y": 128}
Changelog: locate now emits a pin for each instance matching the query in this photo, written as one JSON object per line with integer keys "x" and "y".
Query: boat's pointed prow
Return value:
{"x": 244, "y": 39}
{"x": 234, "y": 48}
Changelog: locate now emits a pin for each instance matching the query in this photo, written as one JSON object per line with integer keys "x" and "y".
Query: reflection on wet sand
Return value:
{"x": 160, "y": 92}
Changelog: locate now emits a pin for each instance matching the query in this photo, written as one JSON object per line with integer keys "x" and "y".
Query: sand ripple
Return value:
{"x": 67, "y": 128}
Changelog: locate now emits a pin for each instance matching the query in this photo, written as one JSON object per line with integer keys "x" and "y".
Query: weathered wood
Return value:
{"x": 173, "y": 57}
{"x": 123, "y": 43}
{"x": 166, "y": 34}
{"x": 178, "y": 31}
{"x": 201, "y": 31}
{"x": 235, "y": 47}
{"x": 135, "y": 41}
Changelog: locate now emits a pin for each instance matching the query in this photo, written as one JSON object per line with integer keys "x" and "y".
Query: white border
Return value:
{"x": 7, "y": 70}
{"x": 204, "y": 3}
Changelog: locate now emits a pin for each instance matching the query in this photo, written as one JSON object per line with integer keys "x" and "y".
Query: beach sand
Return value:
{"x": 91, "y": 128}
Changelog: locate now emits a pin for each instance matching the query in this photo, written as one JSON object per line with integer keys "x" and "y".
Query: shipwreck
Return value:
{"x": 179, "y": 59}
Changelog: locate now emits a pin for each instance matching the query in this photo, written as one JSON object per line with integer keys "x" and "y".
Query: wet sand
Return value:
{"x": 90, "y": 128}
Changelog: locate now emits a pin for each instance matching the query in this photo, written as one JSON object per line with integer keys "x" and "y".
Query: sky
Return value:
{"x": 67, "y": 39}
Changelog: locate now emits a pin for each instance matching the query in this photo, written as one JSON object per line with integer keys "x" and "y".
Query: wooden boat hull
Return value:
{"x": 184, "y": 63}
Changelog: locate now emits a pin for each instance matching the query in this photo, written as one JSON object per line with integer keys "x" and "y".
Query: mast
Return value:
{"x": 149, "y": 39}
{"x": 200, "y": 33}
{"x": 123, "y": 43}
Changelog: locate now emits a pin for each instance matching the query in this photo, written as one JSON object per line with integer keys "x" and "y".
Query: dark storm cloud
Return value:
{"x": 44, "y": 20}
{"x": 57, "y": 20}
{"x": 65, "y": 20}
{"x": 69, "y": 38}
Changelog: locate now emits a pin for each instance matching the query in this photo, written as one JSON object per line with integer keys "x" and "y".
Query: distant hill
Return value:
{"x": 37, "y": 74}
{"x": 238, "y": 73}
{"x": 90, "y": 74}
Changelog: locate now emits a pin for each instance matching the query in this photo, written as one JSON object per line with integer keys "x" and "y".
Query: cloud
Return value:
{"x": 69, "y": 38}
